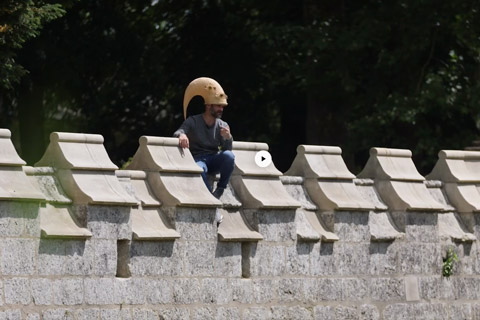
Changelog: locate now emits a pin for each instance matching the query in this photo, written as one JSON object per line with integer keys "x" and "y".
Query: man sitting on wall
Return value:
{"x": 208, "y": 138}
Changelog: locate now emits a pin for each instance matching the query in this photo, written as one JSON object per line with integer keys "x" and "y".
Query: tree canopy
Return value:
{"x": 352, "y": 74}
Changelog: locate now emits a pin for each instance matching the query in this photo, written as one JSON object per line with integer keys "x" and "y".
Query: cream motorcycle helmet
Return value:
{"x": 209, "y": 89}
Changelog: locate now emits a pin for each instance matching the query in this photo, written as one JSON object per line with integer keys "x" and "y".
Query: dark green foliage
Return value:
{"x": 353, "y": 74}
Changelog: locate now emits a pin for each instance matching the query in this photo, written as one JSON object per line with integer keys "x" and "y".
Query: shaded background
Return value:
{"x": 342, "y": 73}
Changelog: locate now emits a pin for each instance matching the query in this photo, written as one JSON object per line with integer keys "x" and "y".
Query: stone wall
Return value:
{"x": 84, "y": 240}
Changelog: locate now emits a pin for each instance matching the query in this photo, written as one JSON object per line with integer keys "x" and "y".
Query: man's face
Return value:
{"x": 216, "y": 110}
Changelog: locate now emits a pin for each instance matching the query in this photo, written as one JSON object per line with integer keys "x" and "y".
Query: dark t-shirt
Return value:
{"x": 202, "y": 138}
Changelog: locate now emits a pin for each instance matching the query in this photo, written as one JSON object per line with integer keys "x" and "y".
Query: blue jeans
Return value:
{"x": 222, "y": 162}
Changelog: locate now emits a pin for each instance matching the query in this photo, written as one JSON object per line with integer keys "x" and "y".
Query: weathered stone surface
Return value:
{"x": 356, "y": 289}
{"x": 290, "y": 290}
{"x": 228, "y": 314}
{"x": 263, "y": 290}
{"x": 228, "y": 259}
{"x": 387, "y": 289}
{"x": 204, "y": 313}
{"x": 152, "y": 258}
{"x": 55, "y": 314}
{"x": 186, "y": 291}
{"x": 257, "y": 313}
{"x": 324, "y": 313}
{"x": 18, "y": 256}
{"x": 159, "y": 292}
{"x": 42, "y": 291}
{"x": 298, "y": 259}
{"x": 98, "y": 291}
{"x": 68, "y": 291}
{"x": 216, "y": 291}
{"x": 242, "y": 291}
{"x": 368, "y": 312}
{"x": 105, "y": 262}
{"x": 174, "y": 313}
{"x": 290, "y": 313}
{"x": 17, "y": 291}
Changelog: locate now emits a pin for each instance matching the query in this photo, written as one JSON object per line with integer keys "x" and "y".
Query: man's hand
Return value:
{"x": 225, "y": 133}
{"x": 183, "y": 141}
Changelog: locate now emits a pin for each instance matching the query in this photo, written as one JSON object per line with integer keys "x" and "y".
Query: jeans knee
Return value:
{"x": 229, "y": 157}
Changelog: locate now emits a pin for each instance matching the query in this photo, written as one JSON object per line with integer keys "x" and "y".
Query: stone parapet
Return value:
{"x": 255, "y": 186}
{"x": 327, "y": 179}
{"x": 397, "y": 180}
{"x": 172, "y": 173}
{"x": 143, "y": 243}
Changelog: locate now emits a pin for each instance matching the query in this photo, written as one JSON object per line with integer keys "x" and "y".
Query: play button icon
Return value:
{"x": 263, "y": 159}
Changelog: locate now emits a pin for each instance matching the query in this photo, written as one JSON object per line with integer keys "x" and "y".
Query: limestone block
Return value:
{"x": 245, "y": 159}
{"x": 164, "y": 155}
{"x": 136, "y": 182}
{"x": 84, "y": 169}
{"x": 258, "y": 187}
{"x": 459, "y": 172}
{"x": 150, "y": 224}
{"x": 76, "y": 151}
{"x": 94, "y": 187}
{"x": 148, "y": 220}
{"x": 14, "y": 185}
{"x": 317, "y": 224}
{"x": 172, "y": 174}
{"x": 457, "y": 166}
{"x": 43, "y": 179}
{"x": 327, "y": 179}
{"x": 262, "y": 192}
{"x": 309, "y": 225}
{"x": 382, "y": 227}
{"x": 235, "y": 227}
{"x": 398, "y": 181}
{"x": 450, "y": 226}
{"x": 390, "y": 164}
{"x": 57, "y": 222}
{"x": 336, "y": 195}
{"x": 367, "y": 191}
{"x": 319, "y": 162}
{"x": 8, "y": 154}
{"x": 180, "y": 189}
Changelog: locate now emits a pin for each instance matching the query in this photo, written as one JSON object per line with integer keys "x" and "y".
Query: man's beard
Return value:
{"x": 217, "y": 114}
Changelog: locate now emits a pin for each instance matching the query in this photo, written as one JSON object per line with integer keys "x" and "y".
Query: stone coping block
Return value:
{"x": 245, "y": 160}
{"x": 382, "y": 227}
{"x": 235, "y": 227}
{"x": 43, "y": 179}
{"x": 262, "y": 192}
{"x": 316, "y": 224}
{"x": 398, "y": 182}
{"x": 457, "y": 166}
{"x": 336, "y": 195}
{"x": 8, "y": 154}
{"x": 450, "y": 226}
{"x": 78, "y": 151}
{"x": 15, "y": 185}
{"x": 56, "y": 219}
{"x": 140, "y": 188}
{"x": 181, "y": 189}
{"x": 390, "y": 164}
{"x": 324, "y": 162}
{"x": 460, "y": 173}
{"x": 172, "y": 174}
{"x": 308, "y": 224}
{"x": 163, "y": 155}
{"x": 93, "y": 187}
{"x": 151, "y": 224}
{"x": 57, "y": 222}
{"x": 327, "y": 179}
{"x": 148, "y": 220}
{"x": 258, "y": 187}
